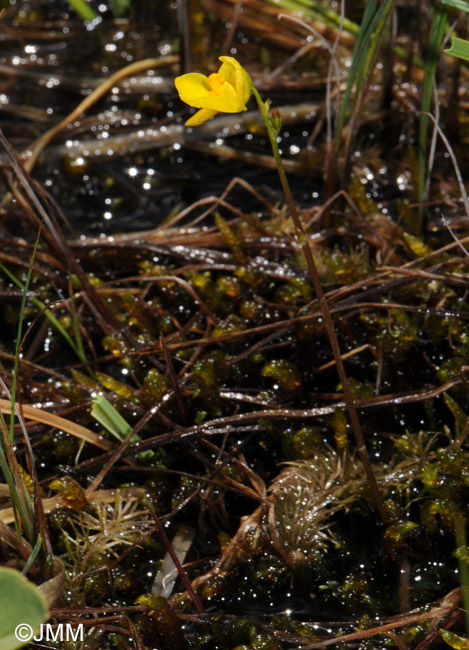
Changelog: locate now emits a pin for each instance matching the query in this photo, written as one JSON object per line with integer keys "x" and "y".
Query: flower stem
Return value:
{"x": 328, "y": 322}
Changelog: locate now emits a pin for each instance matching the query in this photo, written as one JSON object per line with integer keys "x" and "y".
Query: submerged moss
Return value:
{"x": 206, "y": 334}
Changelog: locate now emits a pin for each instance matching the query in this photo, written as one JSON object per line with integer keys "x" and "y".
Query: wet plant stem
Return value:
{"x": 273, "y": 125}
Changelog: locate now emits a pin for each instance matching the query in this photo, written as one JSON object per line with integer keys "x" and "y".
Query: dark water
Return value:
{"x": 50, "y": 61}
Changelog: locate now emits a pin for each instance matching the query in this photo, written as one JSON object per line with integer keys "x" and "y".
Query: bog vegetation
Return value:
{"x": 234, "y": 418}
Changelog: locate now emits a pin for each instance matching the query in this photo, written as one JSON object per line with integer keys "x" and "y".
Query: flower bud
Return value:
{"x": 276, "y": 121}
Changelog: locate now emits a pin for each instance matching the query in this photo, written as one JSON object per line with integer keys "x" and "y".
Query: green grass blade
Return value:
{"x": 462, "y": 5}
{"x": 20, "y": 499}
{"x": 435, "y": 39}
{"x": 47, "y": 312}
{"x": 312, "y": 10}
{"x": 372, "y": 25}
{"x": 76, "y": 329}
{"x": 356, "y": 57}
{"x": 108, "y": 417}
{"x": 15, "y": 501}
{"x": 378, "y": 25}
{"x": 83, "y": 9}
{"x": 18, "y": 338}
{"x": 329, "y": 16}
{"x": 459, "y": 47}
{"x": 33, "y": 556}
{"x": 19, "y": 495}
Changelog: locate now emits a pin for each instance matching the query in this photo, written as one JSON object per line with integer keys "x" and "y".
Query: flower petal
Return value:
{"x": 193, "y": 88}
{"x": 222, "y": 104}
{"x": 228, "y": 68}
{"x": 220, "y": 86}
{"x": 200, "y": 117}
{"x": 244, "y": 85}
{"x": 237, "y": 76}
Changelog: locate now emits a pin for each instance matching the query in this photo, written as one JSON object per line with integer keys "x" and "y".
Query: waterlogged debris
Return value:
{"x": 339, "y": 423}
{"x": 454, "y": 640}
{"x": 337, "y": 267}
{"x": 73, "y": 495}
{"x": 361, "y": 197}
{"x": 160, "y": 625}
{"x": 296, "y": 291}
{"x": 460, "y": 416}
{"x": 208, "y": 373}
{"x": 116, "y": 345}
{"x": 117, "y": 387}
{"x": 232, "y": 238}
{"x": 229, "y": 287}
{"x": 139, "y": 314}
{"x": 283, "y": 371}
{"x": 300, "y": 444}
{"x": 416, "y": 245}
{"x": 396, "y": 534}
{"x": 233, "y": 323}
{"x": 86, "y": 380}
{"x": 250, "y": 276}
{"x": 251, "y": 310}
{"x": 156, "y": 384}
{"x": 144, "y": 139}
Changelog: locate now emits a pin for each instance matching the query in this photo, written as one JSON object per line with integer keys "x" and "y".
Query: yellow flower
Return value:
{"x": 225, "y": 91}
